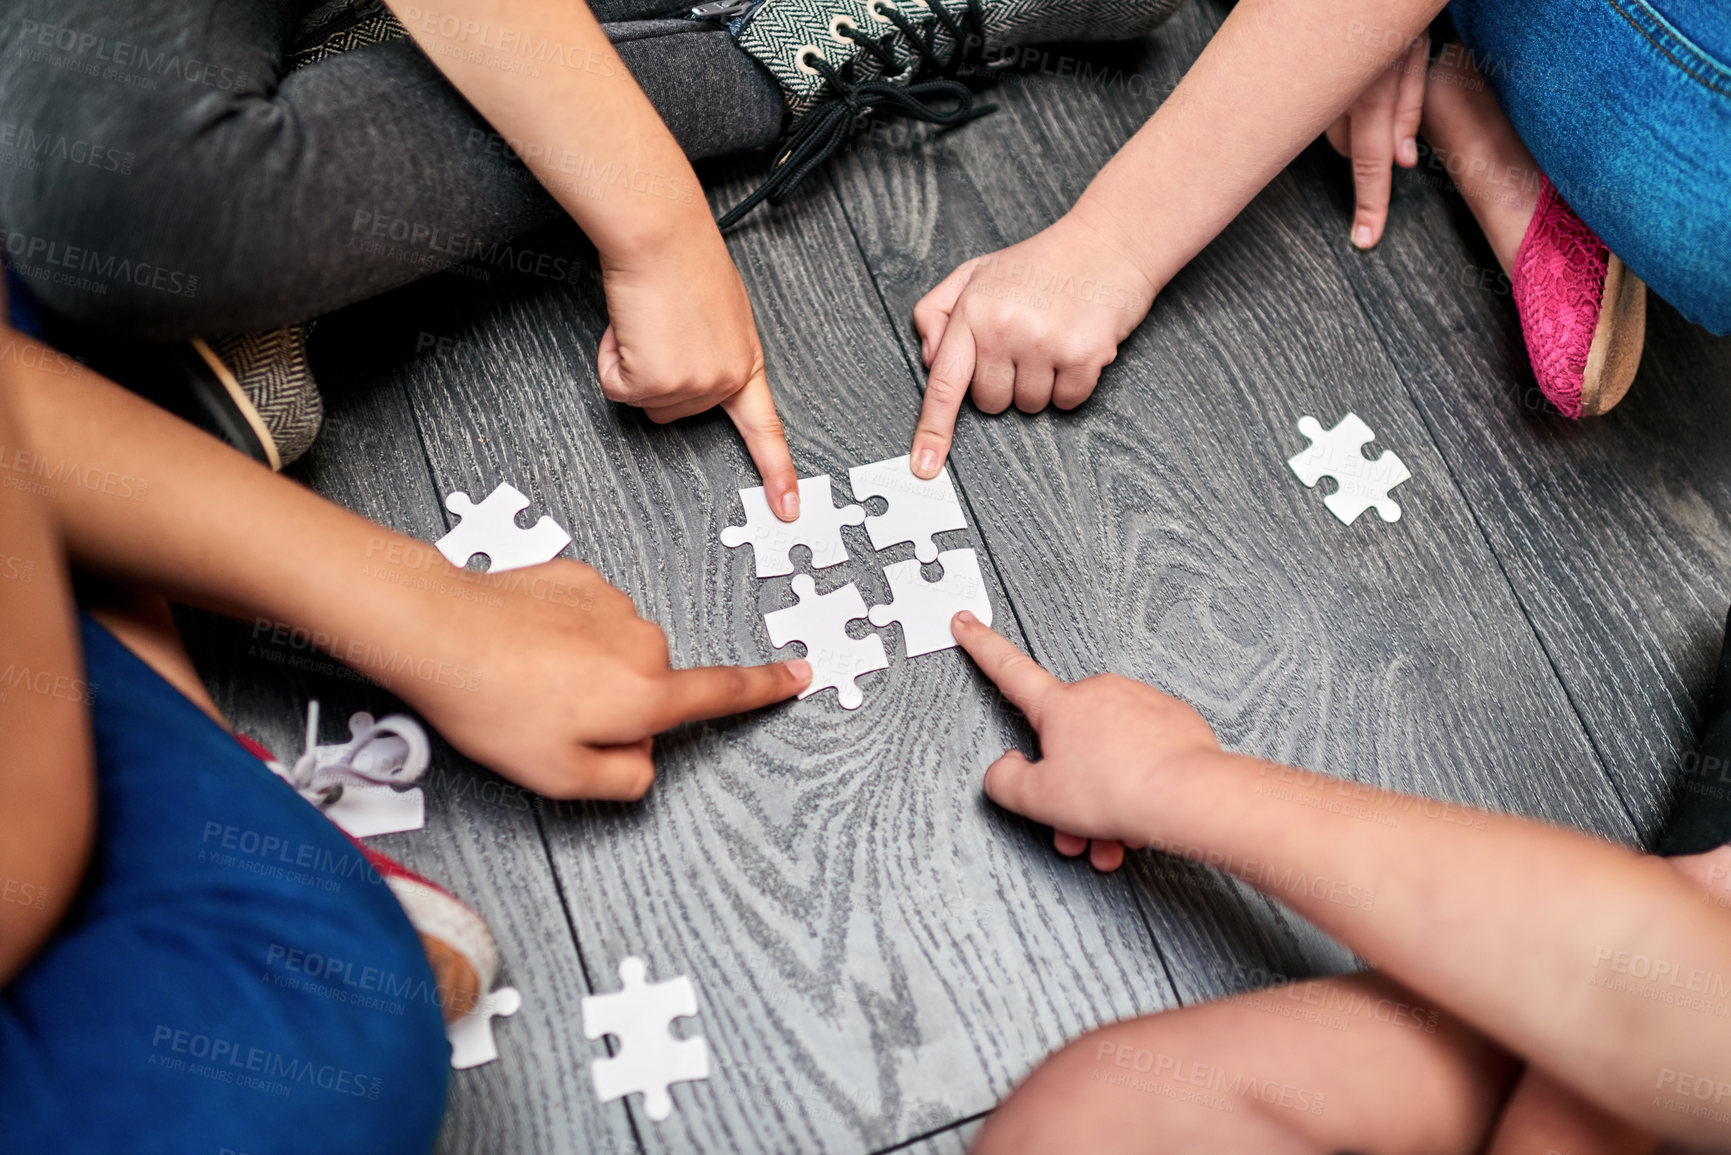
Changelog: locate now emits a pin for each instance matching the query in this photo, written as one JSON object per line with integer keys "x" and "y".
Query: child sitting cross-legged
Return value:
{"x": 1511, "y": 1006}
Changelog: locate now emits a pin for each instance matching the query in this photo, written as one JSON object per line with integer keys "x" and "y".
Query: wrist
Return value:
{"x": 641, "y": 228}
{"x": 1098, "y": 226}
{"x": 387, "y": 606}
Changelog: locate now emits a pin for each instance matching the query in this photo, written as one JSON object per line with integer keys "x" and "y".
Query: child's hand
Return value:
{"x": 1032, "y": 324}
{"x": 682, "y": 340}
{"x": 1381, "y": 127}
{"x": 1103, "y": 741}
{"x": 561, "y": 688}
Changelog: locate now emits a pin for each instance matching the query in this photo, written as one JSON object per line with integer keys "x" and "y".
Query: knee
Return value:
{"x": 125, "y": 217}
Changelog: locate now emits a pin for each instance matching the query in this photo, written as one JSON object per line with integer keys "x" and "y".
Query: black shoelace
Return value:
{"x": 941, "y": 100}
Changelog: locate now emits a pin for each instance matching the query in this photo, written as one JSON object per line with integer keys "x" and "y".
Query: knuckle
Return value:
{"x": 1369, "y": 168}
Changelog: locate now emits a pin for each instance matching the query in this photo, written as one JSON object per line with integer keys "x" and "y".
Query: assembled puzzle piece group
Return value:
{"x": 917, "y": 510}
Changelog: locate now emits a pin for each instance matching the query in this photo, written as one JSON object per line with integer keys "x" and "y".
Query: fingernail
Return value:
{"x": 1361, "y": 236}
{"x": 966, "y": 617}
{"x": 800, "y": 669}
{"x": 926, "y": 464}
{"x": 1409, "y": 151}
{"x": 790, "y": 504}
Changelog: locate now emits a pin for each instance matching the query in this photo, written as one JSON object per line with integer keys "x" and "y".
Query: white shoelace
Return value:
{"x": 390, "y": 751}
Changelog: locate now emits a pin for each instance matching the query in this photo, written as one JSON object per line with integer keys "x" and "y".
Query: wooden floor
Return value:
{"x": 880, "y": 954}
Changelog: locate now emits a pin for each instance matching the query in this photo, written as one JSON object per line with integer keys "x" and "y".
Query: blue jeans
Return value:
{"x": 233, "y": 976}
{"x": 1626, "y": 106}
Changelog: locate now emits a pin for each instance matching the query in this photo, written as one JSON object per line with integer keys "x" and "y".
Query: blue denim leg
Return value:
{"x": 233, "y": 976}
{"x": 1626, "y": 105}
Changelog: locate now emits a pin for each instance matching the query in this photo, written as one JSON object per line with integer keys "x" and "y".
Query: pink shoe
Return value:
{"x": 460, "y": 947}
{"x": 1583, "y": 313}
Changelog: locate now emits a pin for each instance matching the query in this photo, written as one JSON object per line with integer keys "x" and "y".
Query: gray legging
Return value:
{"x": 164, "y": 174}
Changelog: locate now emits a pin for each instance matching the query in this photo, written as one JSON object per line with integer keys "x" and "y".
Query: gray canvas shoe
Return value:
{"x": 840, "y": 62}
{"x": 262, "y": 389}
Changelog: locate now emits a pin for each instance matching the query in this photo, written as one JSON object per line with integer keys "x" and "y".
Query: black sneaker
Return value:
{"x": 841, "y": 62}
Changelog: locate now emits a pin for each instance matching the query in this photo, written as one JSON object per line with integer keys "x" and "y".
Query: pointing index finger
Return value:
{"x": 1023, "y": 680}
{"x": 752, "y": 411}
{"x": 715, "y": 691}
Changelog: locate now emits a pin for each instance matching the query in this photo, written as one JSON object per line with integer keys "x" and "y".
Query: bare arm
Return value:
{"x": 1276, "y": 75}
{"x": 682, "y": 338}
{"x": 1530, "y": 932}
{"x": 547, "y": 675}
{"x": 47, "y": 780}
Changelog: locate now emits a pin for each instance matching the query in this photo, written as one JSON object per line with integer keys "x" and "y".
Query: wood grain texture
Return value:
{"x": 1615, "y": 532}
{"x": 878, "y": 952}
{"x": 482, "y": 839}
{"x": 950, "y": 1141}
{"x": 1393, "y": 654}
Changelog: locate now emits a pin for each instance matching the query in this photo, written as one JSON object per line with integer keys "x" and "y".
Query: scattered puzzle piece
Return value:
{"x": 821, "y": 623}
{"x": 818, "y": 527}
{"x": 917, "y": 508}
{"x": 649, "y": 1058}
{"x": 925, "y": 608}
{"x": 471, "y": 1037}
{"x": 1339, "y": 453}
{"x": 491, "y": 528}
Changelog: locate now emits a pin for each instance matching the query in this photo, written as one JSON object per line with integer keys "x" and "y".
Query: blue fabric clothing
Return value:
{"x": 233, "y": 976}
{"x": 1626, "y": 106}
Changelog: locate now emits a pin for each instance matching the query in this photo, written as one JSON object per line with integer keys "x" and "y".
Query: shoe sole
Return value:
{"x": 242, "y": 405}
{"x": 1621, "y": 334}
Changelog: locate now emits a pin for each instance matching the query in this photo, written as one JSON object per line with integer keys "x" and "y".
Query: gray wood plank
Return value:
{"x": 482, "y": 839}
{"x": 879, "y": 952}
{"x": 1615, "y": 532}
{"x": 1393, "y": 654}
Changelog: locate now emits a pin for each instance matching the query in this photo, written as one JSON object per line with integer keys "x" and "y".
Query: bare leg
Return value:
{"x": 141, "y": 620}
{"x": 1345, "y": 1064}
{"x": 1545, "y": 1118}
{"x": 1474, "y": 142}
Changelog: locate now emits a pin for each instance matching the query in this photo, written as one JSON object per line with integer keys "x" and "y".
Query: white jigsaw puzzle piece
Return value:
{"x": 818, "y": 527}
{"x": 471, "y": 1037}
{"x": 917, "y": 508}
{"x": 821, "y": 623}
{"x": 491, "y": 528}
{"x": 650, "y": 1058}
{"x": 1339, "y": 453}
{"x": 367, "y": 811}
{"x": 925, "y": 608}
{"x": 392, "y": 747}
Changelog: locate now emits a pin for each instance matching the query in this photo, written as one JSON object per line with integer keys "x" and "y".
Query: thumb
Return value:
{"x": 1013, "y": 782}
{"x": 610, "y": 366}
